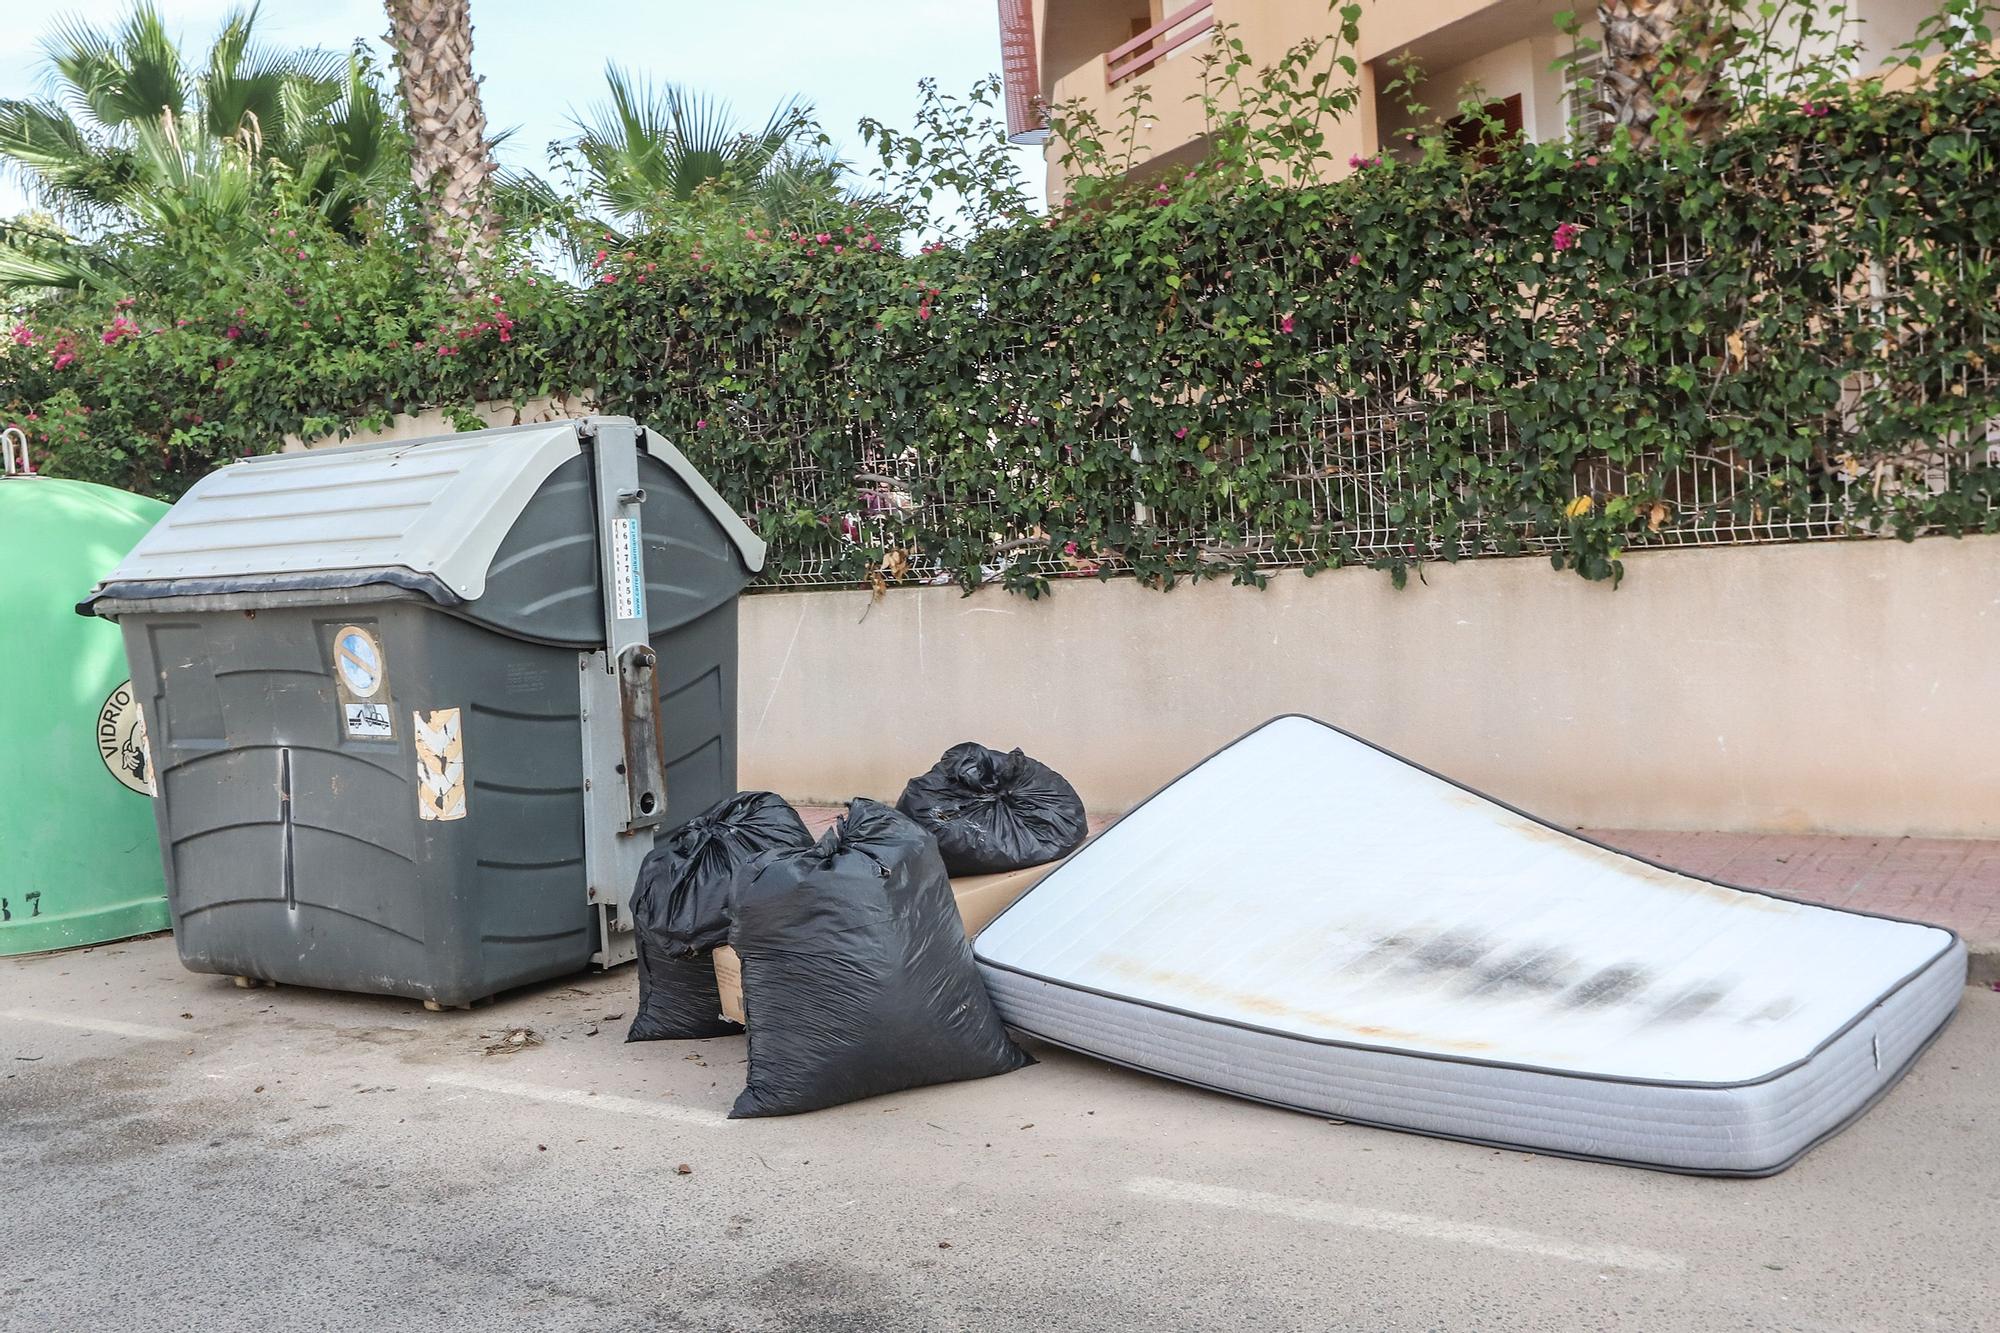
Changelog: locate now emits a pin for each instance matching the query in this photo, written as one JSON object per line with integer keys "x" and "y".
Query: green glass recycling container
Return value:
{"x": 79, "y": 849}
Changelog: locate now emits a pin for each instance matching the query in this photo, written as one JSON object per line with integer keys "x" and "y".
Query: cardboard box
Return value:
{"x": 980, "y": 898}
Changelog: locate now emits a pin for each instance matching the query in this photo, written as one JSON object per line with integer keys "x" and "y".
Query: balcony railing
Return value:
{"x": 1155, "y": 44}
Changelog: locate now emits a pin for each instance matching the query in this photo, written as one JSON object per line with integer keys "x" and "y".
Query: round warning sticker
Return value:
{"x": 359, "y": 659}
{"x": 121, "y": 740}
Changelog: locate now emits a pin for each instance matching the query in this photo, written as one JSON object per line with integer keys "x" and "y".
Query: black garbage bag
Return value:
{"x": 680, "y": 908}
{"x": 857, "y": 976}
{"x": 991, "y": 811}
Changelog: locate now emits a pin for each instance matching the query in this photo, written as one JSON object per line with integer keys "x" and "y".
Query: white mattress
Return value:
{"x": 1308, "y": 920}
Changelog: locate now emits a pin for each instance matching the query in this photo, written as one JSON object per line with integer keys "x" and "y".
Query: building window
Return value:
{"x": 1587, "y": 120}
{"x": 1482, "y": 136}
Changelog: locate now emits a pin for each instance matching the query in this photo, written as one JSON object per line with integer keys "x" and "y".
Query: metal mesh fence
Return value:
{"x": 1351, "y": 462}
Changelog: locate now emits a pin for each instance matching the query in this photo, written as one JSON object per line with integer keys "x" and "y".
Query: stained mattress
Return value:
{"x": 1308, "y": 920}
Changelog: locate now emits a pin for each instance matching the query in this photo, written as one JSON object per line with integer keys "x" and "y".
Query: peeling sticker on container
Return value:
{"x": 627, "y": 570}
{"x": 367, "y": 721}
{"x": 121, "y": 740}
{"x": 440, "y": 764}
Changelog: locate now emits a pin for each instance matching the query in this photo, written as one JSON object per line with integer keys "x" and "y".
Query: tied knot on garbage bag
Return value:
{"x": 680, "y": 908}
{"x": 857, "y": 976}
{"x": 993, "y": 811}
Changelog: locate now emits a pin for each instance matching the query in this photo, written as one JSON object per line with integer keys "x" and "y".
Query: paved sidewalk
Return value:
{"x": 183, "y": 1155}
{"x": 1950, "y": 882}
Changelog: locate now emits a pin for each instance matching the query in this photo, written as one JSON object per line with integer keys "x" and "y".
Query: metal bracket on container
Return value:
{"x": 625, "y": 791}
{"x": 645, "y": 771}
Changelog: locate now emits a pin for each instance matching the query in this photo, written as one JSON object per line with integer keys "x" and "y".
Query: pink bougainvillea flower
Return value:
{"x": 923, "y": 312}
{"x": 1354, "y": 261}
{"x": 1069, "y": 549}
{"x": 701, "y": 424}
{"x": 609, "y": 277}
{"x": 125, "y": 303}
{"x": 824, "y": 238}
{"x": 121, "y": 327}
{"x": 62, "y": 360}
{"x": 598, "y": 262}
{"x": 1181, "y": 433}
{"x": 232, "y": 333}
{"x": 23, "y": 336}
{"x": 1285, "y": 324}
{"x": 1566, "y": 235}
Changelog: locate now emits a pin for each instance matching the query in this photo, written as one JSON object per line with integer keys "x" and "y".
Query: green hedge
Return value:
{"x": 1794, "y": 335}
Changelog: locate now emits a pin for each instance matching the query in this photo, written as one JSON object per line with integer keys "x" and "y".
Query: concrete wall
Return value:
{"x": 1849, "y": 687}
{"x": 432, "y": 421}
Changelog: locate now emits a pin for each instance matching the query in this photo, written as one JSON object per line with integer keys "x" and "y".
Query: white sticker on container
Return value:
{"x": 359, "y": 660}
{"x": 121, "y": 740}
{"x": 440, "y": 764}
{"x": 368, "y": 721}
{"x": 628, "y": 570}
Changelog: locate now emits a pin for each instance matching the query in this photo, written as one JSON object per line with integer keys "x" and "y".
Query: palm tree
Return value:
{"x": 652, "y": 146}
{"x": 649, "y": 151}
{"x": 135, "y": 135}
{"x": 451, "y": 158}
{"x": 1666, "y": 58}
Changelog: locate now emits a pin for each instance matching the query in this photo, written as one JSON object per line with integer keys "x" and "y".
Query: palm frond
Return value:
{"x": 60, "y": 163}
{"x": 245, "y": 79}
{"x": 145, "y": 140}
{"x": 655, "y": 145}
{"x": 33, "y": 259}
{"x": 121, "y": 77}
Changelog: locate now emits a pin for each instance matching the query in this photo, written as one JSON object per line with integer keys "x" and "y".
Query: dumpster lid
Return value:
{"x": 422, "y": 514}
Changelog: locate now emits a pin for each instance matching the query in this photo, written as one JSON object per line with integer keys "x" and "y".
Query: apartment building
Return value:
{"x": 1092, "y": 52}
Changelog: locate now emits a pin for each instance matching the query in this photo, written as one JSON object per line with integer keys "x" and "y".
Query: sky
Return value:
{"x": 543, "y": 61}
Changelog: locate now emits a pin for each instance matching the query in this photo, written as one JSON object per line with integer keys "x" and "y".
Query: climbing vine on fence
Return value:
{"x": 1574, "y": 352}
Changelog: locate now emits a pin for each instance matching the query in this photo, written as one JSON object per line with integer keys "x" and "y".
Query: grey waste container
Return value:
{"x": 419, "y": 709}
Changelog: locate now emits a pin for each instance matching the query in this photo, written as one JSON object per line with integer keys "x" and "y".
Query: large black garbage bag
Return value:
{"x": 991, "y": 811}
{"x": 857, "y": 976}
{"x": 681, "y": 910}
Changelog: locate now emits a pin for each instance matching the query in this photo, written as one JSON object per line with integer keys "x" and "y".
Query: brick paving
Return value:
{"x": 1951, "y": 882}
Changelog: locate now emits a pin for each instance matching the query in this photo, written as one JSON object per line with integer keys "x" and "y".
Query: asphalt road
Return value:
{"x": 179, "y": 1154}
